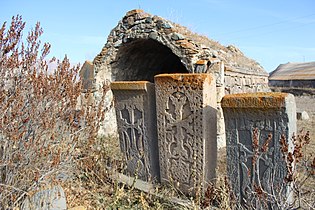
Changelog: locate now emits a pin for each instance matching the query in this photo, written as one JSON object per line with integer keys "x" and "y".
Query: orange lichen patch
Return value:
{"x": 184, "y": 43}
{"x": 255, "y": 100}
{"x": 130, "y": 85}
{"x": 202, "y": 62}
{"x": 192, "y": 80}
{"x": 135, "y": 11}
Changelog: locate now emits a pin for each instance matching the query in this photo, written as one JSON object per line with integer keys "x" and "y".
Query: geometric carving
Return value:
{"x": 136, "y": 124}
{"x": 255, "y": 123}
{"x": 186, "y": 121}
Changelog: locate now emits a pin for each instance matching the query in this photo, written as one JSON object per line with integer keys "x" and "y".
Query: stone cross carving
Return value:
{"x": 252, "y": 120}
{"x": 136, "y": 120}
{"x": 186, "y": 114}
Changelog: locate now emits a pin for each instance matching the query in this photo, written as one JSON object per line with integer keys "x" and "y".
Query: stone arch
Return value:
{"x": 142, "y": 59}
{"x": 140, "y": 32}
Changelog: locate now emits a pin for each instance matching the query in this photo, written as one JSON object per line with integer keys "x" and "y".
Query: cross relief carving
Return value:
{"x": 178, "y": 122}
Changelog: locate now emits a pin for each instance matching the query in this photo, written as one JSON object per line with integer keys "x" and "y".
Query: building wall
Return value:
{"x": 293, "y": 83}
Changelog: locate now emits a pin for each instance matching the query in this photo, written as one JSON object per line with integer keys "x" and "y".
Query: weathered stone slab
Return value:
{"x": 302, "y": 115}
{"x": 87, "y": 76}
{"x": 136, "y": 122}
{"x": 187, "y": 128}
{"x": 53, "y": 198}
{"x": 253, "y": 165}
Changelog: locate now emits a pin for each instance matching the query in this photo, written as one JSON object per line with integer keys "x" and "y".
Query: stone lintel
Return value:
{"x": 130, "y": 85}
{"x": 262, "y": 100}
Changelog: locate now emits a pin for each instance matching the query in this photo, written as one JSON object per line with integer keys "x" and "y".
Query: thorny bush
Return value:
{"x": 41, "y": 131}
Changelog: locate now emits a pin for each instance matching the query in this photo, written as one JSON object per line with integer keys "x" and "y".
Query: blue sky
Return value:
{"x": 270, "y": 31}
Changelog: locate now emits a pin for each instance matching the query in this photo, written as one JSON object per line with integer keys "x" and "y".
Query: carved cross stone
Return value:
{"x": 254, "y": 166}
{"x": 186, "y": 121}
{"x": 136, "y": 122}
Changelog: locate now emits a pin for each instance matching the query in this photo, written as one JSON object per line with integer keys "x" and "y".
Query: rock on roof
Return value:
{"x": 294, "y": 71}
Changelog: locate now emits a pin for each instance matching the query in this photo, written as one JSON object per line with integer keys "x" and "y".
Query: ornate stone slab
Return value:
{"x": 51, "y": 198}
{"x": 187, "y": 128}
{"x": 136, "y": 120}
{"x": 255, "y": 164}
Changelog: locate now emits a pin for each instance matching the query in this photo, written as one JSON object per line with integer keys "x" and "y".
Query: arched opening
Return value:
{"x": 142, "y": 59}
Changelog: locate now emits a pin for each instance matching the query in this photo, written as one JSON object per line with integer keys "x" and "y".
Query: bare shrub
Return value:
{"x": 303, "y": 177}
{"x": 41, "y": 132}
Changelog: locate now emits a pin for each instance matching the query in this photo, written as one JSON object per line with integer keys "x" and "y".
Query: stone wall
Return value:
{"x": 288, "y": 84}
{"x": 244, "y": 82}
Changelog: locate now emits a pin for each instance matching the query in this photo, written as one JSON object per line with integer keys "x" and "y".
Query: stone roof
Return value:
{"x": 190, "y": 47}
{"x": 294, "y": 71}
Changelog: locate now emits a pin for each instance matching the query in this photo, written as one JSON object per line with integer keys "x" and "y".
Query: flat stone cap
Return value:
{"x": 130, "y": 85}
{"x": 256, "y": 100}
{"x": 193, "y": 80}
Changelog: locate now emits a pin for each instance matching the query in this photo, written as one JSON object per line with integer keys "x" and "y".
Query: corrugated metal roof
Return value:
{"x": 294, "y": 71}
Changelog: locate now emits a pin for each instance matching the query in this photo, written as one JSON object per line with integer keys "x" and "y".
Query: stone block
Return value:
{"x": 221, "y": 142}
{"x": 87, "y": 76}
{"x": 218, "y": 69}
{"x": 53, "y": 198}
{"x": 302, "y": 115}
{"x": 252, "y": 164}
{"x": 220, "y": 93}
{"x": 187, "y": 128}
{"x": 136, "y": 123}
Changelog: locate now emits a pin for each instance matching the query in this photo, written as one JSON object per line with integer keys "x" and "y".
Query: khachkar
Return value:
{"x": 136, "y": 124}
{"x": 186, "y": 121}
{"x": 255, "y": 124}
